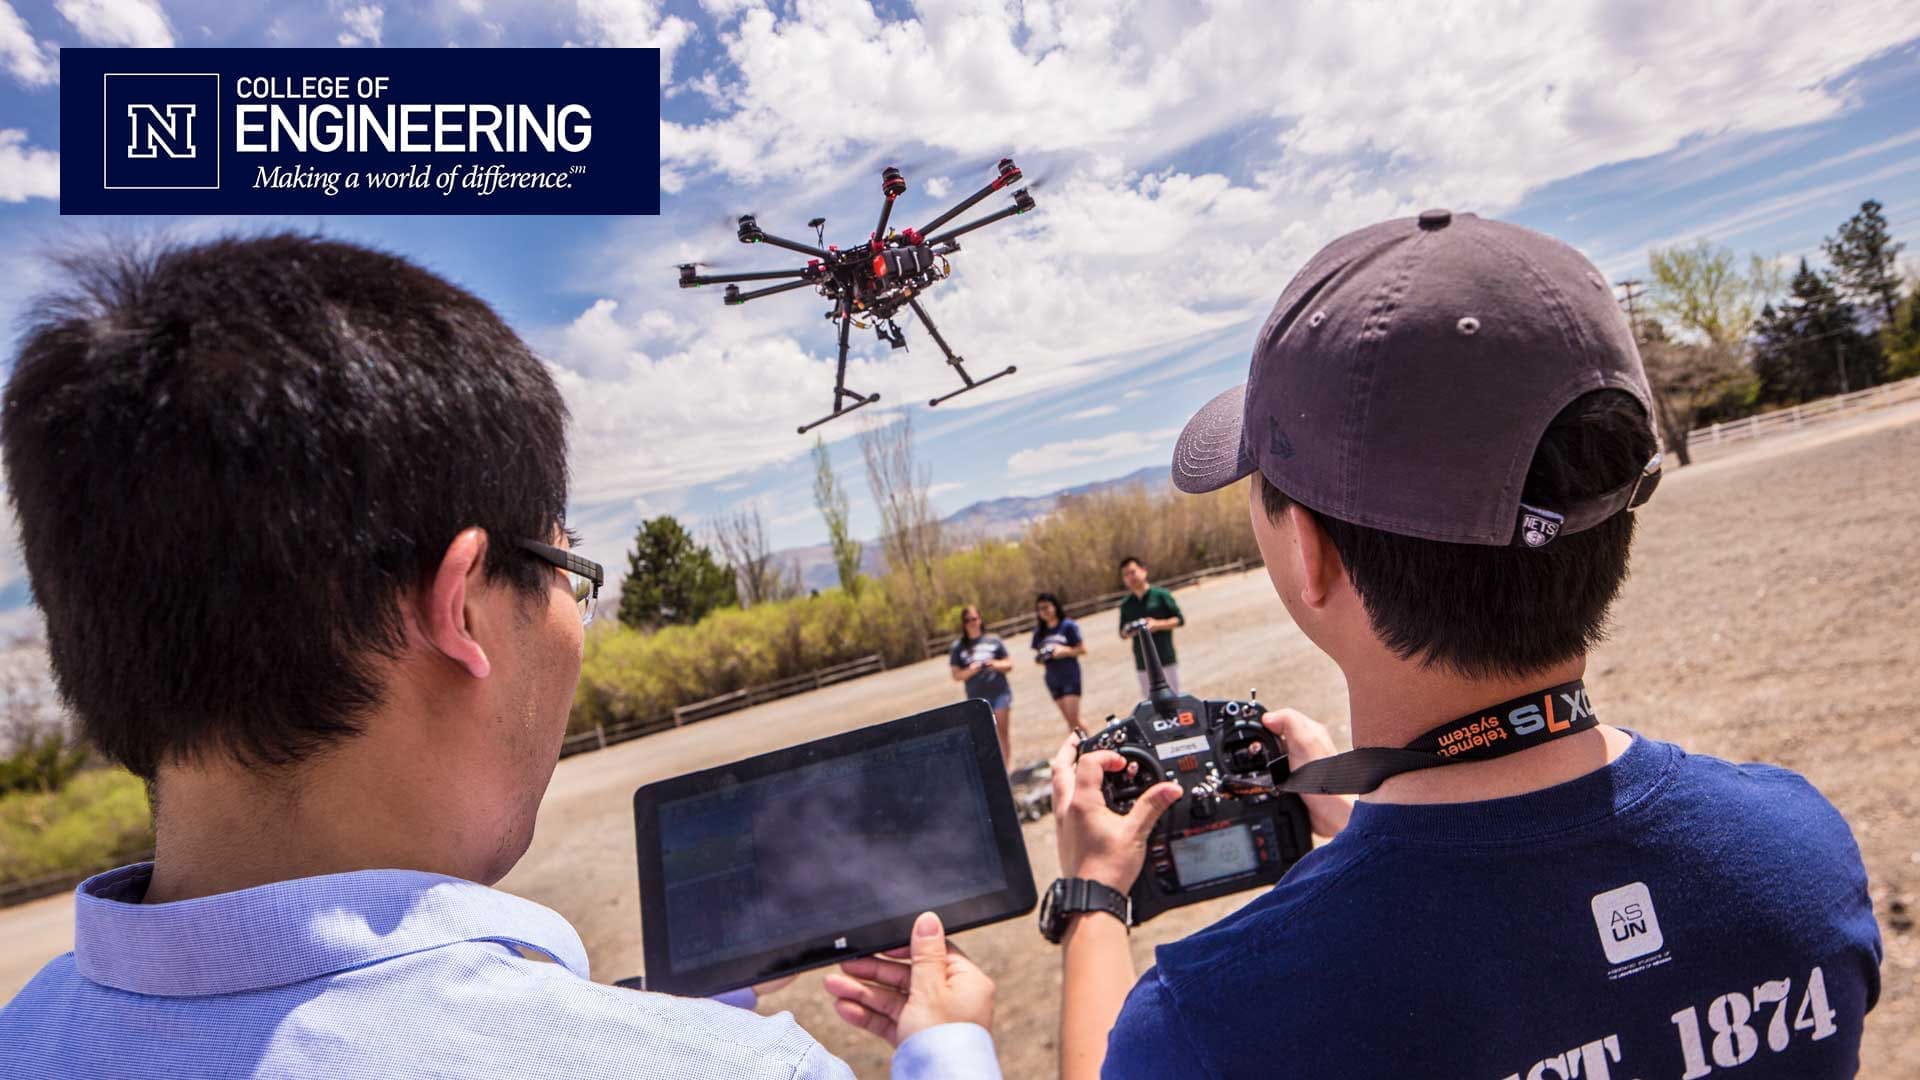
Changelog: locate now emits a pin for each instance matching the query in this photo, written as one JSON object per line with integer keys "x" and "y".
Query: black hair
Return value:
{"x": 1134, "y": 559}
{"x": 228, "y": 460}
{"x": 1483, "y": 610}
{"x": 962, "y": 617}
{"x": 1059, "y": 609}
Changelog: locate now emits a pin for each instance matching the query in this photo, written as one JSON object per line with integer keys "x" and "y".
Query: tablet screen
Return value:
{"x": 818, "y": 852}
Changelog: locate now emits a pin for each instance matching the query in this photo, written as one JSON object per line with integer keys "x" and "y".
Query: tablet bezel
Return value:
{"x": 1016, "y": 898}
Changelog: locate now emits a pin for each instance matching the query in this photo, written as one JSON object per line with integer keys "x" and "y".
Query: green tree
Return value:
{"x": 670, "y": 578}
{"x": 1706, "y": 300}
{"x": 1901, "y": 338}
{"x": 1811, "y": 344}
{"x": 1864, "y": 258}
{"x": 831, "y": 498}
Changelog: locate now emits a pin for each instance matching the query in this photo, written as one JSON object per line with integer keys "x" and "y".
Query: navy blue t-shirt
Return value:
{"x": 1668, "y": 917}
{"x": 1062, "y": 669}
{"x": 987, "y": 683}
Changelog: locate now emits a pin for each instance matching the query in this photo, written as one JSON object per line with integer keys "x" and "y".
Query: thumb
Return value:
{"x": 1148, "y": 808}
{"x": 927, "y": 952}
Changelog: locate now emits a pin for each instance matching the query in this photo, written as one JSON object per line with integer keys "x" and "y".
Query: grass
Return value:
{"x": 101, "y": 815}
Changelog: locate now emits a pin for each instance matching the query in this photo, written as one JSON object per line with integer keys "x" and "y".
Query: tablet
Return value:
{"x": 827, "y": 850}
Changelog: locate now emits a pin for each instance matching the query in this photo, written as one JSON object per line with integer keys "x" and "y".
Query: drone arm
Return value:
{"x": 954, "y": 233}
{"x": 822, "y": 254}
{"x": 886, "y": 211}
{"x": 688, "y": 281}
{"x": 735, "y": 296}
{"x": 1006, "y": 177}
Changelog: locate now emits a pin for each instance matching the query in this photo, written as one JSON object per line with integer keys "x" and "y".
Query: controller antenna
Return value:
{"x": 1161, "y": 694}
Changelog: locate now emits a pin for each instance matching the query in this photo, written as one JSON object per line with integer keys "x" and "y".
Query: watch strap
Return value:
{"x": 1077, "y": 896}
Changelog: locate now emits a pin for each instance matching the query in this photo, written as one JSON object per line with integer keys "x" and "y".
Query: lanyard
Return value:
{"x": 1496, "y": 731}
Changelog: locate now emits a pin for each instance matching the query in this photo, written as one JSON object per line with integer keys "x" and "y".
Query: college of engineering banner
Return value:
{"x": 359, "y": 131}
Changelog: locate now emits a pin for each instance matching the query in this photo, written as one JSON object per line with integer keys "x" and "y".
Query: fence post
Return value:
{"x": 600, "y": 733}
{"x": 1716, "y": 432}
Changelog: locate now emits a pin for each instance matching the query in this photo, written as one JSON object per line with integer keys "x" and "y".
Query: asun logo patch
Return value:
{"x": 1628, "y": 927}
{"x": 161, "y": 132}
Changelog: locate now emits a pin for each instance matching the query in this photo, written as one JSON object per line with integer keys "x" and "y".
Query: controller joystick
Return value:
{"x": 1123, "y": 787}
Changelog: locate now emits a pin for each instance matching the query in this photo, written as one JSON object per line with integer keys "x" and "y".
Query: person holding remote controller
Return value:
{"x": 1448, "y": 431}
{"x": 294, "y": 511}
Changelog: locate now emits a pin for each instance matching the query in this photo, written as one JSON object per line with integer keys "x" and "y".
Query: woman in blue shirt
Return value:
{"x": 981, "y": 660}
{"x": 1058, "y": 646}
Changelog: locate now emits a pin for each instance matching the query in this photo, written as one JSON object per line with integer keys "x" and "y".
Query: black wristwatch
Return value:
{"x": 1072, "y": 896}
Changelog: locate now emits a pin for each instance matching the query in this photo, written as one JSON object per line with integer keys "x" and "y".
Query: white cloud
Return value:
{"x": 363, "y": 26}
{"x": 1485, "y": 101}
{"x": 137, "y": 23}
{"x": 938, "y": 187}
{"x": 1079, "y": 453}
{"x": 26, "y": 172}
{"x": 947, "y": 488}
{"x": 23, "y": 56}
{"x": 1093, "y": 413}
{"x": 636, "y": 24}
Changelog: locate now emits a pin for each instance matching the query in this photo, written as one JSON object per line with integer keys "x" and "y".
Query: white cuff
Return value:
{"x": 744, "y": 998}
{"x": 947, "y": 1052}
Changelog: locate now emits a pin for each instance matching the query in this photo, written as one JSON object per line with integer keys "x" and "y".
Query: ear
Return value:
{"x": 446, "y": 620}
{"x": 1319, "y": 568}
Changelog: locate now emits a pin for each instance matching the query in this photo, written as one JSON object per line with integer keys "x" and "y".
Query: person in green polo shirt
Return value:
{"x": 1157, "y": 606}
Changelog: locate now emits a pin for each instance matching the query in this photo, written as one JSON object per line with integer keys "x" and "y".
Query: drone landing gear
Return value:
{"x": 954, "y": 361}
{"x": 840, "y": 392}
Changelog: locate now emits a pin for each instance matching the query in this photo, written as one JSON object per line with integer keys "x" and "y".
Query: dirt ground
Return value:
{"x": 1771, "y": 616}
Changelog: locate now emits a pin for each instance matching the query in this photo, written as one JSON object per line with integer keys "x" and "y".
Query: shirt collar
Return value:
{"x": 291, "y": 931}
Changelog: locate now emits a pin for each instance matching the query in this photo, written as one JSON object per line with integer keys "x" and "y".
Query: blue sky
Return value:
{"x": 1194, "y": 156}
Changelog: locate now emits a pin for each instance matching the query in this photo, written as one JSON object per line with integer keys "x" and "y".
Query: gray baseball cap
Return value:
{"x": 1407, "y": 374}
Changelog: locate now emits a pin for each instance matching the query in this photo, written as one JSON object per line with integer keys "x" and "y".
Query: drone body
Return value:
{"x": 867, "y": 285}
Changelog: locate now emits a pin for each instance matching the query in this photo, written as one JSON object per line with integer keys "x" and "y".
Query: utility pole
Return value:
{"x": 1631, "y": 293}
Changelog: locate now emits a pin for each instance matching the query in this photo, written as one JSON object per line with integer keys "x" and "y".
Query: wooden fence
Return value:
{"x": 938, "y": 644}
{"x": 604, "y": 735}
{"x": 1796, "y": 417}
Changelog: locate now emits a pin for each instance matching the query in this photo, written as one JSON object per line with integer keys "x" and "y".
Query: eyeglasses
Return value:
{"x": 584, "y": 576}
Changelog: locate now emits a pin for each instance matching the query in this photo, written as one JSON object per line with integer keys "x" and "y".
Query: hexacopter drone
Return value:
{"x": 868, "y": 284}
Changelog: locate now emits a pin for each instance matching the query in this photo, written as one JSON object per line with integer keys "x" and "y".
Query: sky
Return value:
{"x": 1190, "y": 157}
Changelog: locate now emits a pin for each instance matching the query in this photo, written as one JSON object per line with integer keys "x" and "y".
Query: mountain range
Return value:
{"x": 991, "y": 518}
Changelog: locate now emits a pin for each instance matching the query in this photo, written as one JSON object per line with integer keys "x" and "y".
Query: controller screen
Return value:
{"x": 1212, "y": 855}
{"x": 840, "y": 843}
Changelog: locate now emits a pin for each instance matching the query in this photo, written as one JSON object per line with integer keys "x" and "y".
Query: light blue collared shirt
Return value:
{"x": 385, "y": 973}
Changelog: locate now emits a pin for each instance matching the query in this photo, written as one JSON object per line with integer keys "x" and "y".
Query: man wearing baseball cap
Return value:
{"x": 1449, "y": 431}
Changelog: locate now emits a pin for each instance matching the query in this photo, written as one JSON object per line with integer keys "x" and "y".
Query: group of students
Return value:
{"x": 981, "y": 661}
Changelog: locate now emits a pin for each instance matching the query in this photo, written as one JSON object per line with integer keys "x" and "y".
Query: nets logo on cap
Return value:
{"x": 162, "y": 132}
{"x": 1538, "y": 527}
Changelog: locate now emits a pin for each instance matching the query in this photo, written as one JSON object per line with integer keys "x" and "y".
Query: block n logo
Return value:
{"x": 162, "y": 131}
{"x": 161, "y": 128}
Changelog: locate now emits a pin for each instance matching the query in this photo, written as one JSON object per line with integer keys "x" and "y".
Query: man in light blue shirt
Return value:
{"x": 292, "y": 510}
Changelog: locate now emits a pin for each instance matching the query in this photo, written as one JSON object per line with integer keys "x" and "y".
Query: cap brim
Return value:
{"x": 1212, "y": 451}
